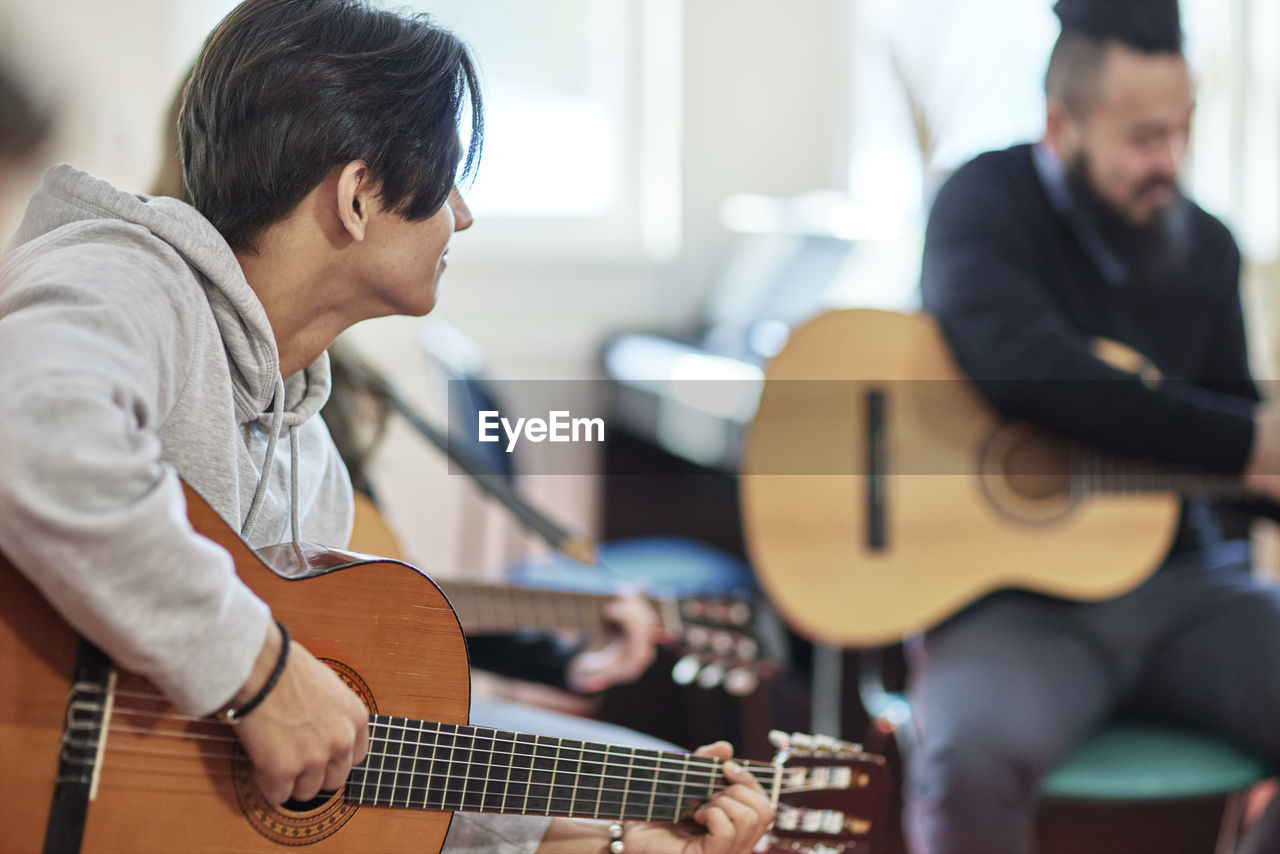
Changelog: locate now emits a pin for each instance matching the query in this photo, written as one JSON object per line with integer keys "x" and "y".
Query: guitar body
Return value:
{"x": 880, "y": 494}
{"x": 384, "y": 626}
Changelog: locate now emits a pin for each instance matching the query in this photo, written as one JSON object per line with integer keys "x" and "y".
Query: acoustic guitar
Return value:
{"x": 724, "y": 640}
{"x": 95, "y": 760}
{"x": 880, "y": 493}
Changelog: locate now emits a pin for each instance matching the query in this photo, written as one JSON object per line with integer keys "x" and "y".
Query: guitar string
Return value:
{"x": 729, "y": 653}
{"x": 429, "y": 728}
{"x": 544, "y": 608}
{"x": 668, "y": 776}
{"x": 763, "y": 773}
{"x": 425, "y": 783}
{"x": 757, "y": 769}
{"x": 423, "y": 786}
{"x": 423, "y": 727}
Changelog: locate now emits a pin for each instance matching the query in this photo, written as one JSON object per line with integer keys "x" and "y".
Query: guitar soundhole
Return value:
{"x": 1027, "y": 475}
{"x": 1033, "y": 471}
{"x": 297, "y": 822}
{"x": 307, "y": 806}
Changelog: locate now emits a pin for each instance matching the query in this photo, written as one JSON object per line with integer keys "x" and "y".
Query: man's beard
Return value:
{"x": 1150, "y": 249}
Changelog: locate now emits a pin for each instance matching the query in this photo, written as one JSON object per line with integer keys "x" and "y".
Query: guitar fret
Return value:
{"x": 414, "y": 728}
{"x": 488, "y": 769}
{"x": 595, "y": 769}
{"x": 577, "y": 776}
{"x": 564, "y": 792}
{"x": 471, "y": 799}
{"x": 608, "y": 798}
{"x": 360, "y": 773}
{"x": 399, "y": 777}
{"x": 507, "y": 608}
{"x": 429, "y": 784}
{"x": 626, "y": 787}
{"x": 521, "y": 763}
{"x": 382, "y": 761}
{"x": 436, "y": 790}
{"x": 541, "y": 779}
{"x": 595, "y": 616}
{"x": 679, "y": 799}
{"x": 457, "y": 766}
{"x": 554, "y": 601}
{"x": 506, "y": 787}
{"x": 650, "y": 764}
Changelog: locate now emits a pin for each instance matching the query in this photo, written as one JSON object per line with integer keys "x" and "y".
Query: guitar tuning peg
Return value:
{"x": 723, "y": 642}
{"x": 825, "y": 745}
{"x": 802, "y": 743}
{"x": 747, "y": 648}
{"x": 779, "y": 739}
{"x": 739, "y": 614}
{"x": 711, "y": 676}
{"x": 694, "y": 608}
{"x": 741, "y": 682}
{"x": 698, "y": 636}
{"x": 686, "y": 670}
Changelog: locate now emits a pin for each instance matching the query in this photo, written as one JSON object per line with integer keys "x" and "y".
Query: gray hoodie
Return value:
{"x": 132, "y": 350}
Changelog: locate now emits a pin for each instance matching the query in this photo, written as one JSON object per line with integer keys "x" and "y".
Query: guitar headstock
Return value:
{"x": 728, "y": 641}
{"x": 830, "y": 796}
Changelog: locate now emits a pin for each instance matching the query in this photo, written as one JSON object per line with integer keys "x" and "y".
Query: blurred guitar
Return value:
{"x": 96, "y": 760}
{"x": 724, "y": 640}
{"x": 880, "y": 494}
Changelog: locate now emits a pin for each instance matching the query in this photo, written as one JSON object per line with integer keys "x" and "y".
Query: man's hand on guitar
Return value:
{"x": 624, "y": 658}
{"x": 732, "y": 821}
{"x": 1262, "y": 473}
{"x": 308, "y": 731}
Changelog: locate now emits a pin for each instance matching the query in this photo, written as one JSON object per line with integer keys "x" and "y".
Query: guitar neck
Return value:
{"x": 439, "y": 766}
{"x": 491, "y": 608}
{"x": 1095, "y": 473}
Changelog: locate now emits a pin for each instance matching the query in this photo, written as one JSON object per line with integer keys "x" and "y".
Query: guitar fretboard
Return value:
{"x": 491, "y": 607}
{"x": 1095, "y": 473}
{"x": 435, "y": 766}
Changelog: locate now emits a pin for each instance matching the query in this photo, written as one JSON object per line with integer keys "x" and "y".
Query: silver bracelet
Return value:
{"x": 616, "y": 845}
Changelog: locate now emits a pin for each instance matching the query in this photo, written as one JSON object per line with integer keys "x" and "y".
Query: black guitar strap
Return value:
{"x": 85, "y": 704}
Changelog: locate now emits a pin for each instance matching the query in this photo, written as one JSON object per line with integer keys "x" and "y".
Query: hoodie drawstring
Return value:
{"x": 260, "y": 492}
{"x": 293, "y": 484}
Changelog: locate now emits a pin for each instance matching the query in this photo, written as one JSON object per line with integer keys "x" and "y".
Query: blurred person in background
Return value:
{"x": 1031, "y": 254}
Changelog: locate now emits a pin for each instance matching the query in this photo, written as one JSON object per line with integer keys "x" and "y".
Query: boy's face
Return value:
{"x": 404, "y": 259}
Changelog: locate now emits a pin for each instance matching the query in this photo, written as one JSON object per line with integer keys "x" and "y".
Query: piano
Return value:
{"x": 692, "y": 395}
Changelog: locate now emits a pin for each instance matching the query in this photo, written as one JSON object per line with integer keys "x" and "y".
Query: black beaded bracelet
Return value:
{"x": 236, "y": 715}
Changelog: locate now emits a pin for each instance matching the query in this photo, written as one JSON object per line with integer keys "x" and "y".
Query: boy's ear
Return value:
{"x": 354, "y": 197}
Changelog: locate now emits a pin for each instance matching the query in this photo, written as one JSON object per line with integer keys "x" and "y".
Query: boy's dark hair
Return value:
{"x": 285, "y": 90}
{"x": 1090, "y": 27}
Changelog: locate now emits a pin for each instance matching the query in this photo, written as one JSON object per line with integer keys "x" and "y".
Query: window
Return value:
{"x": 936, "y": 82}
{"x": 582, "y": 122}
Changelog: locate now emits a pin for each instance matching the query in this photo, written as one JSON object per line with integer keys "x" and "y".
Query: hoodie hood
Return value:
{"x": 68, "y": 195}
{"x": 132, "y": 353}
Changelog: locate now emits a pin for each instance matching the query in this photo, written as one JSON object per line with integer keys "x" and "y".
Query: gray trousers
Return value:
{"x": 1002, "y": 691}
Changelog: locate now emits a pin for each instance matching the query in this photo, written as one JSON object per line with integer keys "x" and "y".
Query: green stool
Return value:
{"x": 1146, "y": 762}
{"x": 1120, "y": 762}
